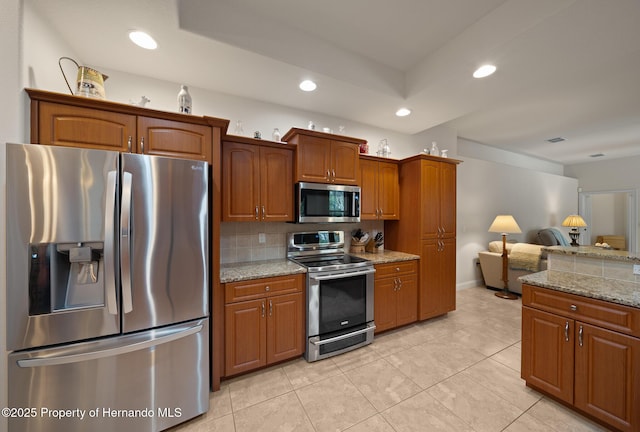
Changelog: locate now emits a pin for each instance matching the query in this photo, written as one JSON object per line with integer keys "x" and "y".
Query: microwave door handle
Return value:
{"x": 125, "y": 242}
{"x": 353, "y": 204}
{"x": 109, "y": 243}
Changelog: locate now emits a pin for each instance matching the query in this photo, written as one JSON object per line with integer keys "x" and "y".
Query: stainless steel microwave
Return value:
{"x": 321, "y": 203}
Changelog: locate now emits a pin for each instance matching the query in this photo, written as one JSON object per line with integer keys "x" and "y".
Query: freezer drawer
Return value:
{"x": 147, "y": 381}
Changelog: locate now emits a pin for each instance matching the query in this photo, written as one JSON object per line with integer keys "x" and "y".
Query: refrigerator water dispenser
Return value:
{"x": 65, "y": 276}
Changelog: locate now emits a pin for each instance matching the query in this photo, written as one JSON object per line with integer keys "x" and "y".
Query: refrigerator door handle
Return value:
{"x": 125, "y": 242}
{"x": 110, "y": 352}
{"x": 109, "y": 243}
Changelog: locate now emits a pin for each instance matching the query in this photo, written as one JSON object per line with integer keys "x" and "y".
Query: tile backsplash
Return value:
{"x": 240, "y": 241}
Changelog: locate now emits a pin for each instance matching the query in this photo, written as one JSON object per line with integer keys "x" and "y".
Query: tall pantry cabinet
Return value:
{"x": 428, "y": 228}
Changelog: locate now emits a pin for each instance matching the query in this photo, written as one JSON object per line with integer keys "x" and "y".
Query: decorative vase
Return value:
{"x": 184, "y": 100}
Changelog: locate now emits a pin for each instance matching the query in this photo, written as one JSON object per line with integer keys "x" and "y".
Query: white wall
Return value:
{"x": 610, "y": 175}
{"x": 536, "y": 200}
{"x": 11, "y": 120}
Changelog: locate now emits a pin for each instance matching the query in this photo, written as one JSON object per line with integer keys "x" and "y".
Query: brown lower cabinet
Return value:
{"x": 584, "y": 352}
{"x": 264, "y": 322}
{"x": 395, "y": 294}
{"x": 438, "y": 272}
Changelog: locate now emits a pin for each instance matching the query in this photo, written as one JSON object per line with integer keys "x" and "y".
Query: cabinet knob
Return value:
{"x": 397, "y": 269}
{"x": 573, "y": 307}
{"x": 267, "y": 288}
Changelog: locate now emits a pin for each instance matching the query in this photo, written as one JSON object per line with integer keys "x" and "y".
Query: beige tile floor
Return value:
{"x": 457, "y": 373}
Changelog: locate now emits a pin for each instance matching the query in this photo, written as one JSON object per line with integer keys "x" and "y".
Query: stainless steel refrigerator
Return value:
{"x": 107, "y": 289}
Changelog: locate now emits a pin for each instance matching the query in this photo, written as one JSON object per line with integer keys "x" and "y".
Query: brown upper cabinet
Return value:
{"x": 325, "y": 158}
{"x": 380, "y": 198}
{"x": 74, "y": 121}
{"x": 257, "y": 180}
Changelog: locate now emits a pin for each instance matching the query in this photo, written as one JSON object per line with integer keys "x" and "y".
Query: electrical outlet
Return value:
{"x": 636, "y": 269}
{"x": 262, "y": 238}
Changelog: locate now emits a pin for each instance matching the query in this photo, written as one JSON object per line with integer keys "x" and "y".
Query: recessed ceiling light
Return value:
{"x": 143, "y": 40}
{"x": 308, "y": 85}
{"x": 484, "y": 71}
{"x": 403, "y": 112}
{"x": 596, "y": 155}
{"x": 556, "y": 139}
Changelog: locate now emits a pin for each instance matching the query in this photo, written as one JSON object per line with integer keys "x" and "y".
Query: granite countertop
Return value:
{"x": 594, "y": 252}
{"x": 615, "y": 291}
{"x": 258, "y": 269}
{"x": 386, "y": 256}
{"x": 281, "y": 267}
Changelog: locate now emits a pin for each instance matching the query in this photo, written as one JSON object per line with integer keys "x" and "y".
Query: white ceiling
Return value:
{"x": 568, "y": 68}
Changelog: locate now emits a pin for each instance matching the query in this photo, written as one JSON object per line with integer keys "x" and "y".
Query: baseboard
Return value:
{"x": 469, "y": 284}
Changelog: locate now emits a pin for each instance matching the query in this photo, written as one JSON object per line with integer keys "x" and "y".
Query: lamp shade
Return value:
{"x": 574, "y": 221}
{"x": 505, "y": 224}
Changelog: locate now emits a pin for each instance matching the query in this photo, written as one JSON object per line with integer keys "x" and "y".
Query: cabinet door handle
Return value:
{"x": 566, "y": 331}
{"x": 257, "y": 213}
{"x": 263, "y": 309}
{"x": 328, "y": 174}
{"x": 580, "y": 334}
{"x": 129, "y": 142}
{"x": 333, "y": 174}
{"x": 263, "y": 213}
{"x": 399, "y": 284}
{"x": 395, "y": 284}
{"x": 142, "y": 145}
{"x": 270, "y": 308}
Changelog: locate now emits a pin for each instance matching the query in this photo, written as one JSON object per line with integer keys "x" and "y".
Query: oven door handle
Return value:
{"x": 370, "y": 327}
{"x": 343, "y": 275}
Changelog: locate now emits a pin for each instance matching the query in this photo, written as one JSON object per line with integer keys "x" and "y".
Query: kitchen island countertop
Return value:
{"x": 615, "y": 291}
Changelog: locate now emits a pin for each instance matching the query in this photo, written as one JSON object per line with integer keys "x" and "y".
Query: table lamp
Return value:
{"x": 575, "y": 222}
{"x": 505, "y": 224}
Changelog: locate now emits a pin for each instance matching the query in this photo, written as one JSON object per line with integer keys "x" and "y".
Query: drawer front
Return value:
{"x": 396, "y": 268}
{"x": 259, "y": 288}
{"x": 605, "y": 314}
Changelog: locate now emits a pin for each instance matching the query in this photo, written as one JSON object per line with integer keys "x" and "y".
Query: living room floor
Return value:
{"x": 457, "y": 373}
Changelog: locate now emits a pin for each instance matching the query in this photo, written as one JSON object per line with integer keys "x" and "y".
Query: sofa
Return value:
{"x": 523, "y": 259}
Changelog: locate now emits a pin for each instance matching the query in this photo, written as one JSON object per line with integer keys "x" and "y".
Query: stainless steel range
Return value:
{"x": 339, "y": 293}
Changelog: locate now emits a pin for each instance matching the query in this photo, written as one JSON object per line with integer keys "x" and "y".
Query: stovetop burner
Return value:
{"x": 323, "y": 261}
{"x": 322, "y": 250}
